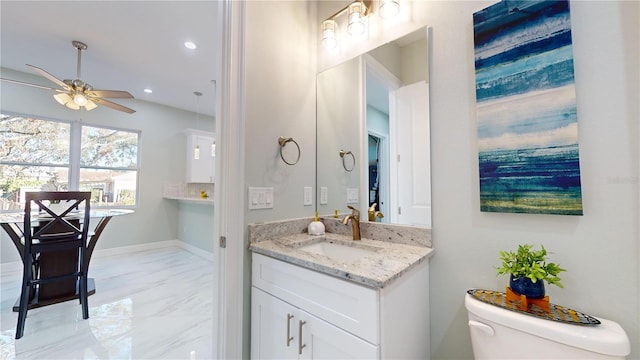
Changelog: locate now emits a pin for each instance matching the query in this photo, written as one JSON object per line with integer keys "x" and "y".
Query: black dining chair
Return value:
{"x": 64, "y": 227}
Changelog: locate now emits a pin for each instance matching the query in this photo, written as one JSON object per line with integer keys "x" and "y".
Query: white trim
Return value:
{"x": 383, "y": 168}
{"x": 369, "y": 64}
{"x": 206, "y": 255}
{"x": 229, "y": 190}
{"x": 133, "y": 248}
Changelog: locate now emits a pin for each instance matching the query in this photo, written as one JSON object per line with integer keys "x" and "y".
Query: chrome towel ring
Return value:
{"x": 283, "y": 141}
{"x": 345, "y": 155}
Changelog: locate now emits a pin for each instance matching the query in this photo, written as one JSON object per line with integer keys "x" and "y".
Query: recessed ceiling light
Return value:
{"x": 148, "y": 91}
{"x": 190, "y": 45}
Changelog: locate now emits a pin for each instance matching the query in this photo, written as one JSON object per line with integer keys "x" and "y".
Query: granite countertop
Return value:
{"x": 378, "y": 269}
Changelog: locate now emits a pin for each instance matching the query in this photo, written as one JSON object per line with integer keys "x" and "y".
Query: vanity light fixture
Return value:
{"x": 389, "y": 8}
{"x": 357, "y": 12}
{"x": 329, "y": 40}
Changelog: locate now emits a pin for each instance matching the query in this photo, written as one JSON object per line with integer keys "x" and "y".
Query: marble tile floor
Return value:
{"x": 152, "y": 304}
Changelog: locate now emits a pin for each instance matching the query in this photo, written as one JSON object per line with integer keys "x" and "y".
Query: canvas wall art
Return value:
{"x": 526, "y": 109}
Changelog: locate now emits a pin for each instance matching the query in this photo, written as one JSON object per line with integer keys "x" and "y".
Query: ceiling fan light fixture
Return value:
{"x": 79, "y": 99}
{"x": 62, "y": 98}
{"x": 90, "y": 105}
{"x": 72, "y": 105}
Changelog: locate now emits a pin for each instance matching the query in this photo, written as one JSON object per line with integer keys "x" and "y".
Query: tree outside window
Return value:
{"x": 35, "y": 155}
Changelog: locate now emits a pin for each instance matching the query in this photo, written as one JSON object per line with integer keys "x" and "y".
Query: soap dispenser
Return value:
{"x": 316, "y": 227}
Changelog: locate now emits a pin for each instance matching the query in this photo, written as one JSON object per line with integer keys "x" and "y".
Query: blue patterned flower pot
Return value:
{"x": 524, "y": 286}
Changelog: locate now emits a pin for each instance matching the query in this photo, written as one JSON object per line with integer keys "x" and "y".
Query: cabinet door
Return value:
{"x": 321, "y": 340}
{"x": 200, "y": 169}
{"x": 274, "y": 327}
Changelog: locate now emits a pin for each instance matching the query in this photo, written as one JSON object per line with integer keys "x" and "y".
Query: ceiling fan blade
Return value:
{"x": 50, "y": 77}
{"x": 111, "y": 94}
{"x": 28, "y": 84}
{"x": 113, "y": 105}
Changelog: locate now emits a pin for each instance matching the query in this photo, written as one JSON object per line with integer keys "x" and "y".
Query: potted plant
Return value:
{"x": 529, "y": 270}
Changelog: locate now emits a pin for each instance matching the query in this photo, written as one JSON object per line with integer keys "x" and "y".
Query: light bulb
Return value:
{"x": 389, "y": 8}
{"x": 329, "y": 40}
{"x": 79, "y": 99}
{"x": 356, "y": 25}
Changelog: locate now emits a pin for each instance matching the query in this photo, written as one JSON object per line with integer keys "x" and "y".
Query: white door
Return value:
{"x": 409, "y": 119}
{"x": 321, "y": 340}
{"x": 274, "y": 327}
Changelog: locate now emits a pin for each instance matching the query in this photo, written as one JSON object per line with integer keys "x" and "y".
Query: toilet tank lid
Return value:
{"x": 607, "y": 338}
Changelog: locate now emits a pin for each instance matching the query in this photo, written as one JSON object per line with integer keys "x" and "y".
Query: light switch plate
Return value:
{"x": 352, "y": 195}
{"x": 260, "y": 198}
{"x": 308, "y": 196}
{"x": 324, "y": 195}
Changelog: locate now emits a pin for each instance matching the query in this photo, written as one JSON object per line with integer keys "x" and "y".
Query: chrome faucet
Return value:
{"x": 355, "y": 221}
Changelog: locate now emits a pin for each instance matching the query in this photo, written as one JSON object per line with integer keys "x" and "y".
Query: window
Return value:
{"x": 50, "y": 155}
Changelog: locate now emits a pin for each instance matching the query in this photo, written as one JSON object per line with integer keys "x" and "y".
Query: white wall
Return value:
{"x": 280, "y": 101}
{"x": 600, "y": 249}
{"x": 280, "y": 69}
{"x": 162, "y": 146}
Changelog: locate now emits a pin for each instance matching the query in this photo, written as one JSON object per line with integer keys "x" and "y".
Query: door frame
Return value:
{"x": 369, "y": 63}
{"x": 229, "y": 194}
{"x": 383, "y": 168}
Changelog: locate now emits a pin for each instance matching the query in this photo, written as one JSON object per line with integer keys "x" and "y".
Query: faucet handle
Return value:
{"x": 355, "y": 212}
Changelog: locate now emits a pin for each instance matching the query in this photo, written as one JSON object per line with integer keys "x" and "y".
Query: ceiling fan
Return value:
{"x": 75, "y": 94}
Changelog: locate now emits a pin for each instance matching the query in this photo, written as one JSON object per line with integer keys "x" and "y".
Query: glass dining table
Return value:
{"x": 56, "y": 263}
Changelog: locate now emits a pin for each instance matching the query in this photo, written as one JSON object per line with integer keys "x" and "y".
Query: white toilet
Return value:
{"x": 498, "y": 333}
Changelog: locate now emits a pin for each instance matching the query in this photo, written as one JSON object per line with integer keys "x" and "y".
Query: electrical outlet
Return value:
{"x": 324, "y": 195}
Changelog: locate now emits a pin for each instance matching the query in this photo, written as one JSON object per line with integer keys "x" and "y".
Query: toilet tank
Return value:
{"x": 497, "y": 333}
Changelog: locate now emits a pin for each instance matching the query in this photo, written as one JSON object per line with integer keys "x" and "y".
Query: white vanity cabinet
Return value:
{"x": 298, "y": 313}
{"x": 200, "y": 156}
{"x": 283, "y": 331}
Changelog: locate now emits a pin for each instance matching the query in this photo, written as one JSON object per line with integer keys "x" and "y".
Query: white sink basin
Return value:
{"x": 339, "y": 252}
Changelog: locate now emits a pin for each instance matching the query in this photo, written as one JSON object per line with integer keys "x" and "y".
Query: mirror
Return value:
{"x": 376, "y": 106}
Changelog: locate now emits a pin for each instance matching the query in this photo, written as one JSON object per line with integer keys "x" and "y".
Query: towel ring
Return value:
{"x": 344, "y": 154}
{"x": 282, "y": 141}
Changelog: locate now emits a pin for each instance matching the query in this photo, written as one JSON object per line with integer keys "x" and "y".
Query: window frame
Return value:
{"x": 74, "y": 165}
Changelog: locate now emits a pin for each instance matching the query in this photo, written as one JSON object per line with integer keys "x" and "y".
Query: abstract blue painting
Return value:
{"x": 526, "y": 109}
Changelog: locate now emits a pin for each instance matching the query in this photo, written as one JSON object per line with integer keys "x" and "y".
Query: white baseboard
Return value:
{"x": 196, "y": 250}
{"x": 17, "y": 265}
{"x": 133, "y": 248}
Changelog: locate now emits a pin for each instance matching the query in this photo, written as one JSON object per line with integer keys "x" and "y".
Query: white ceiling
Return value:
{"x": 132, "y": 45}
